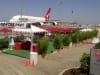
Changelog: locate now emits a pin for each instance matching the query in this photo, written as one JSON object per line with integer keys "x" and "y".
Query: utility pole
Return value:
{"x": 61, "y": 11}
{"x": 21, "y": 10}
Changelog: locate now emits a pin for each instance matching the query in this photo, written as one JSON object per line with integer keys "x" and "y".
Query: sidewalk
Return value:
{"x": 66, "y": 58}
{"x": 53, "y": 64}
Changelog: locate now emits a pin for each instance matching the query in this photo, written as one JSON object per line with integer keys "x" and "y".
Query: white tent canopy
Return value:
{"x": 33, "y": 29}
{"x": 85, "y": 30}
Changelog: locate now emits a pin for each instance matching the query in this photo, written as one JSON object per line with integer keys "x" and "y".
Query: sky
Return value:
{"x": 84, "y": 11}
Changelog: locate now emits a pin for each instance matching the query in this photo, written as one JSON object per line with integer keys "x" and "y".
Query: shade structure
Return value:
{"x": 57, "y": 29}
{"x": 85, "y": 30}
{"x": 5, "y": 30}
{"x": 33, "y": 29}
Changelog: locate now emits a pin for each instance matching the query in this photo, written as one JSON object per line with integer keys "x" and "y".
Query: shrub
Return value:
{"x": 95, "y": 33}
{"x": 81, "y": 36}
{"x": 42, "y": 44}
{"x": 85, "y": 62}
{"x": 84, "y": 34}
{"x": 75, "y": 37}
{"x": 57, "y": 42}
{"x": 66, "y": 40}
{"x": 3, "y": 43}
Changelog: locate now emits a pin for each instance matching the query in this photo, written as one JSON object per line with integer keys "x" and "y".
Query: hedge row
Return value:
{"x": 64, "y": 40}
{"x": 59, "y": 41}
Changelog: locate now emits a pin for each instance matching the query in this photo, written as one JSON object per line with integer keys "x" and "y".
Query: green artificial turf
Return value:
{"x": 20, "y": 53}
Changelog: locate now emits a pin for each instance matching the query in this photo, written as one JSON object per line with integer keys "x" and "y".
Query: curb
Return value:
{"x": 61, "y": 73}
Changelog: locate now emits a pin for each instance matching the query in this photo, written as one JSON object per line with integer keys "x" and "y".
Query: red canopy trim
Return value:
{"x": 55, "y": 29}
{"x": 5, "y": 30}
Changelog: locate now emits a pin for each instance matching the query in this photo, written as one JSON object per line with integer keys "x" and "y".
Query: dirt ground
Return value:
{"x": 74, "y": 71}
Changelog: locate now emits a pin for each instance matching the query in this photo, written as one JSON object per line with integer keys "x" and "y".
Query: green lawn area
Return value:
{"x": 25, "y": 53}
{"x": 20, "y": 53}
